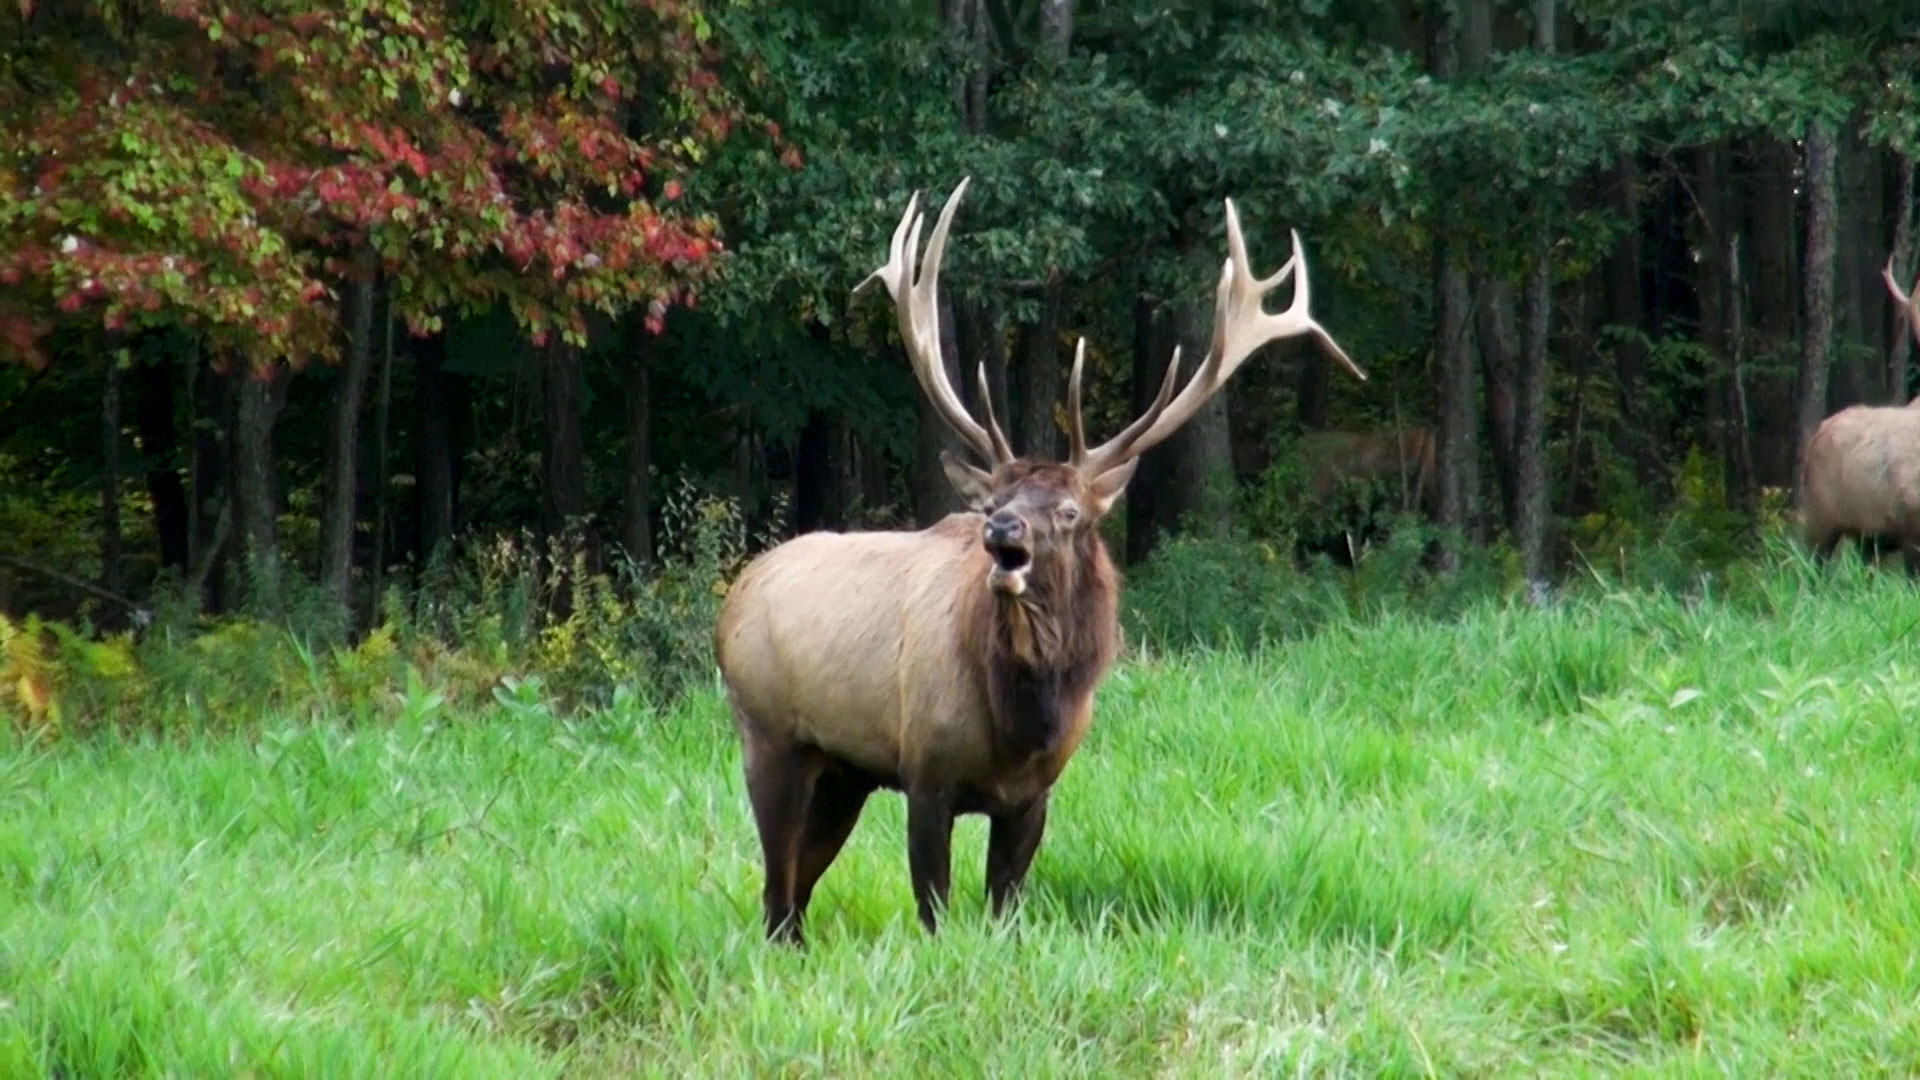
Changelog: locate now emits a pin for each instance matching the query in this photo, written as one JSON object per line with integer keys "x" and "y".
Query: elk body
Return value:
{"x": 956, "y": 664}
{"x": 1860, "y": 474}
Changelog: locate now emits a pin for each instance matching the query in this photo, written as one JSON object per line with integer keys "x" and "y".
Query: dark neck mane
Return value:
{"x": 1047, "y": 649}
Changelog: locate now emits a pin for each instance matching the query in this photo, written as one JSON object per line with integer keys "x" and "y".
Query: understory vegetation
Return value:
{"x": 1648, "y": 827}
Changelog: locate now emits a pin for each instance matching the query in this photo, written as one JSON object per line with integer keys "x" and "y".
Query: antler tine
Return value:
{"x": 1910, "y": 301}
{"x": 916, "y": 302}
{"x": 1240, "y": 327}
{"x": 1001, "y": 448}
{"x": 1076, "y": 426}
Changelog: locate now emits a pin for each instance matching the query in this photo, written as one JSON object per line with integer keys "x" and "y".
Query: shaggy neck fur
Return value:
{"x": 1047, "y": 648}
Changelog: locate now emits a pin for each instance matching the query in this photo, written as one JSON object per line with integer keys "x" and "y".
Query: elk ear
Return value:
{"x": 974, "y": 485}
{"x": 1108, "y": 485}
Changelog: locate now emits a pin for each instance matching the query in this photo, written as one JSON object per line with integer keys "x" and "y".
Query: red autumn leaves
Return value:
{"x": 217, "y": 175}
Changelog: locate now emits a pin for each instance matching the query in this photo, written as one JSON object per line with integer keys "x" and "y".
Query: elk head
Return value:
{"x": 1036, "y": 510}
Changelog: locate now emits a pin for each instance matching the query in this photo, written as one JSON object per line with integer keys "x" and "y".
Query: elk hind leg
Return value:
{"x": 780, "y": 779}
{"x": 838, "y": 797}
{"x": 1013, "y": 839}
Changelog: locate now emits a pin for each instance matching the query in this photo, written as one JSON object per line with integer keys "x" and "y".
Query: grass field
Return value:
{"x": 1632, "y": 835}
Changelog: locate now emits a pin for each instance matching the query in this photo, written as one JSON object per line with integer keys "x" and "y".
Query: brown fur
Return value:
{"x": 1860, "y": 477}
{"x": 883, "y": 659}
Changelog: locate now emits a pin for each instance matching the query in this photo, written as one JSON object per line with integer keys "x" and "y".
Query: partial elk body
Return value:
{"x": 1860, "y": 474}
{"x": 958, "y": 663}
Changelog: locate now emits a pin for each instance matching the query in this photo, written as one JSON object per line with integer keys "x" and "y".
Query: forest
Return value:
{"x": 301, "y": 303}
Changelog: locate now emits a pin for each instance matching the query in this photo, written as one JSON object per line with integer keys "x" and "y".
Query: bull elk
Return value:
{"x": 1860, "y": 475}
{"x": 955, "y": 664}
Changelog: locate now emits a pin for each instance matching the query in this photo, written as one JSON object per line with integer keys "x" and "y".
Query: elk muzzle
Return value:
{"x": 1009, "y": 541}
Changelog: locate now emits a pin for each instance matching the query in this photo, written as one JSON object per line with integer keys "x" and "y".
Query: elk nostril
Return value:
{"x": 1002, "y": 528}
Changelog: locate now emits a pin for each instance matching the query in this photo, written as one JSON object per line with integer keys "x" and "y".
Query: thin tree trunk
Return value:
{"x": 1746, "y": 486}
{"x": 1533, "y": 517}
{"x": 638, "y": 532}
{"x": 160, "y": 449}
{"x": 1197, "y": 461}
{"x": 435, "y": 452}
{"x": 382, "y": 434}
{"x": 1816, "y": 343}
{"x": 813, "y": 476}
{"x": 1150, "y": 355}
{"x": 1499, "y": 365}
{"x": 1773, "y": 298}
{"x": 1860, "y": 250}
{"x": 1626, "y": 313}
{"x": 1036, "y": 381}
{"x": 110, "y": 473}
{"x": 1710, "y": 233}
{"x": 211, "y": 394}
{"x": 261, "y": 395}
{"x": 1900, "y": 347}
{"x": 343, "y": 446}
{"x": 1037, "y": 353}
{"x": 1454, "y": 346}
{"x": 562, "y": 452}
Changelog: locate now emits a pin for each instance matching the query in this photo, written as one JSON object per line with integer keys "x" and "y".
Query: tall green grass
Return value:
{"x": 1634, "y": 833}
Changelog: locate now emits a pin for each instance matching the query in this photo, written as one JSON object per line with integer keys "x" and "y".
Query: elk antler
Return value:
{"x": 916, "y": 301}
{"x": 1908, "y": 301}
{"x": 1240, "y": 327}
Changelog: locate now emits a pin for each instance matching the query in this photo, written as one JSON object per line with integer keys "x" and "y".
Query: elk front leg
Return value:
{"x": 1011, "y": 845}
{"x": 929, "y": 851}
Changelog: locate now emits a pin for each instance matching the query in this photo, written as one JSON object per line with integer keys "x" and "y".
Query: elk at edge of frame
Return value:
{"x": 1860, "y": 475}
{"x": 957, "y": 663}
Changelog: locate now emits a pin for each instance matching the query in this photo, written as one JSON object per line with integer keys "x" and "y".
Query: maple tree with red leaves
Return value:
{"x": 211, "y": 164}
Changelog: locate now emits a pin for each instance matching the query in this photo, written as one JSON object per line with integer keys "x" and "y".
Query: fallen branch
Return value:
{"x": 140, "y": 614}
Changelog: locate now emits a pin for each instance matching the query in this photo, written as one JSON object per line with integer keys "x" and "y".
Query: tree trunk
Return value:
{"x": 1774, "y": 301}
{"x": 1860, "y": 250}
{"x": 1197, "y": 494}
{"x": 814, "y": 480}
{"x": 1314, "y": 391}
{"x": 1745, "y": 481}
{"x": 1900, "y": 345}
{"x": 638, "y": 531}
{"x": 160, "y": 449}
{"x": 110, "y": 472}
{"x": 1037, "y": 354}
{"x": 343, "y": 445}
{"x": 1816, "y": 343}
{"x": 1500, "y": 371}
{"x": 382, "y": 430}
{"x": 436, "y": 452}
{"x": 1035, "y": 385}
{"x": 1533, "y": 515}
{"x": 261, "y": 395}
{"x": 1454, "y": 345}
{"x": 1150, "y": 356}
{"x": 1626, "y": 314}
{"x": 211, "y": 393}
{"x": 562, "y": 452}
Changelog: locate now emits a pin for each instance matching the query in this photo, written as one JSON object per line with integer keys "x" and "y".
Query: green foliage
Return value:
{"x": 635, "y": 634}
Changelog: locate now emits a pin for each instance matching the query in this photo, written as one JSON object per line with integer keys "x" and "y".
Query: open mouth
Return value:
{"x": 1010, "y": 565}
{"x": 1008, "y": 558}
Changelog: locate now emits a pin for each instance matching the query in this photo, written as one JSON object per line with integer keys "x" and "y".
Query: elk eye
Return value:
{"x": 1069, "y": 514}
